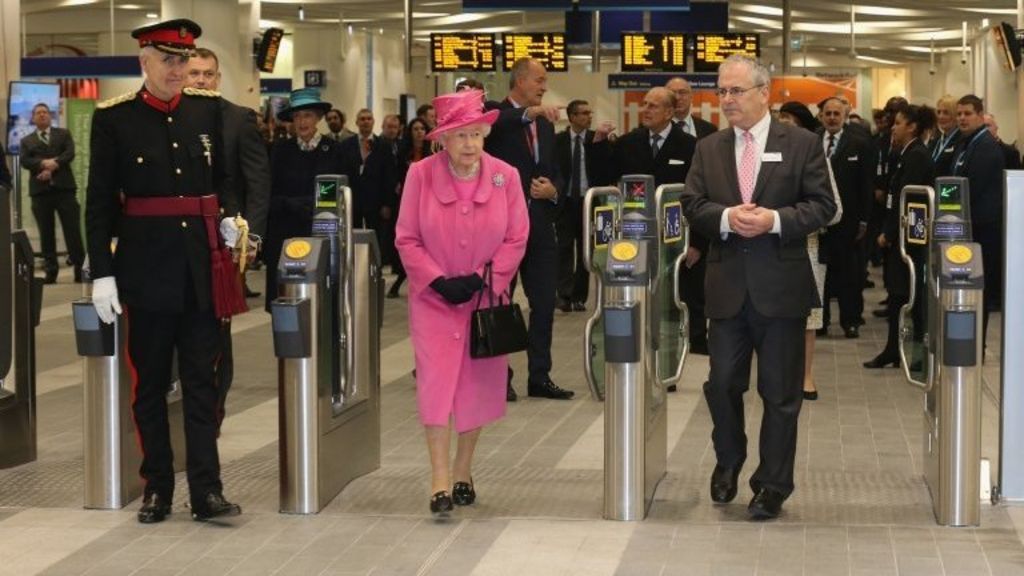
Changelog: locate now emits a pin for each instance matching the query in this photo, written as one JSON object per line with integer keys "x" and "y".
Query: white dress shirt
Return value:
{"x": 824, "y": 142}
{"x": 760, "y": 133}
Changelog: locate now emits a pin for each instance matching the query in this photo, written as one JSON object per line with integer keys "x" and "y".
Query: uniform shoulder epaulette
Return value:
{"x": 111, "y": 102}
{"x": 201, "y": 92}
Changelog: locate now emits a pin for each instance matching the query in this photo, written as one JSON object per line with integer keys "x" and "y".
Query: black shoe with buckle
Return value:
{"x": 463, "y": 493}
{"x": 548, "y": 389}
{"x": 213, "y": 505}
{"x": 441, "y": 504}
{"x": 155, "y": 508}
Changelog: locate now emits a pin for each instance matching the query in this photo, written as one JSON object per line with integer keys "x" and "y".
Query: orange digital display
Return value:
{"x": 462, "y": 52}
{"x": 710, "y": 50}
{"x": 547, "y": 47}
{"x": 653, "y": 52}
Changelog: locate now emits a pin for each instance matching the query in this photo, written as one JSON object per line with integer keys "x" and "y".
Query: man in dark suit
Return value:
{"x": 683, "y": 116}
{"x": 853, "y": 166}
{"x": 47, "y": 154}
{"x": 524, "y": 136}
{"x": 981, "y": 160}
{"x": 756, "y": 191}
{"x": 579, "y": 166}
{"x": 372, "y": 174}
{"x": 247, "y": 172}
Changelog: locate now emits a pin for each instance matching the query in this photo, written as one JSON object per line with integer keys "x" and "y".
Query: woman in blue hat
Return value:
{"x": 294, "y": 165}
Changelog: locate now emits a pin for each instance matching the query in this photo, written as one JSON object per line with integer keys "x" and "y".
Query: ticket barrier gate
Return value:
{"x": 109, "y": 440}
{"x": 940, "y": 341}
{"x": 326, "y": 325}
{"x": 20, "y": 302}
{"x": 636, "y": 342}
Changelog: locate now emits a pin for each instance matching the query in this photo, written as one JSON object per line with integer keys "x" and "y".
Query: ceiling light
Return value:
{"x": 302, "y": 13}
{"x": 152, "y": 15}
{"x": 878, "y": 60}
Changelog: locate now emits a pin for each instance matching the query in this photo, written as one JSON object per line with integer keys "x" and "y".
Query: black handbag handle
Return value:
{"x": 489, "y": 283}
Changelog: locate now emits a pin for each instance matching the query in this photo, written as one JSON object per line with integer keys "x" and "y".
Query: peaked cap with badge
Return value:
{"x": 173, "y": 36}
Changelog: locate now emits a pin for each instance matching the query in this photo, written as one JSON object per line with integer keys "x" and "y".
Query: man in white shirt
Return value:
{"x": 756, "y": 191}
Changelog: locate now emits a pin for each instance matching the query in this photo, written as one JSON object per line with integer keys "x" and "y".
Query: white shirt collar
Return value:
{"x": 758, "y": 130}
{"x": 308, "y": 146}
{"x": 573, "y": 134}
{"x": 664, "y": 133}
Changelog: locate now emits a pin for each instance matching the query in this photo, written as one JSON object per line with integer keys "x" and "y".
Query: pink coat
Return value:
{"x": 439, "y": 235}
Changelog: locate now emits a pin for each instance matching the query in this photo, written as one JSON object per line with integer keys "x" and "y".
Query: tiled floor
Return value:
{"x": 860, "y": 508}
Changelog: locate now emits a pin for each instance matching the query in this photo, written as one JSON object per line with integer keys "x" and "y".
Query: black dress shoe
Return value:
{"x": 810, "y": 394}
{"x": 723, "y": 483}
{"x": 548, "y": 389}
{"x": 699, "y": 347}
{"x": 869, "y": 283}
{"x": 880, "y": 313}
{"x": 78, "y": 274}
{"x": 393, "y": 292}
{"x": 463, "y": 493}
{"x": 766, "y": 504}
{"x": 670, "y": 388}
{"x": 822, "y": 332}
{"x": 851, "y": 332}
{"x": 564, "y": 305}
{"x": 155, "y": 508}
{"x": 214, "y": 506}
{"x": 51, "y": 278}
{"x": 883, "y": 360}
{"x": 578, "y": 306}
{"x": 441, "y": 504}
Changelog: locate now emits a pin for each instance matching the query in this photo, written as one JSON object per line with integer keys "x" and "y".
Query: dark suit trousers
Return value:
{"x": 225, "y": 373}
{"x": 573, "y": 276}
{"x": 691, "y": 284}
{"x": 152, "y": 340}
{"x": 64, "y": 203}
{"x": 779, "y": 343}
{"x": 539, "y": 269}
{"x": 844, "y": 281}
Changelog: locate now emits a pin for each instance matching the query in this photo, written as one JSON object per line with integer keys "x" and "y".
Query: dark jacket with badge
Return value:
{"x": 980, "y": 158}
{"x": 914, "y": 166}
{"x": 138, "y": 151}
{"x": 853, "y": 165}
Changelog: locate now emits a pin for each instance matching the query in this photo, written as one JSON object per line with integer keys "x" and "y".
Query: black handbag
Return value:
{"x": 498, "y": 329}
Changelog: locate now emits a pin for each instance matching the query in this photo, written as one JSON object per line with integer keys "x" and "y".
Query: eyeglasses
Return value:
{"x": 735, "y": 92}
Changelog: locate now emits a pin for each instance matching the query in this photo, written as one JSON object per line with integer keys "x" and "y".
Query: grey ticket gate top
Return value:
{"x": 20, "y": 299}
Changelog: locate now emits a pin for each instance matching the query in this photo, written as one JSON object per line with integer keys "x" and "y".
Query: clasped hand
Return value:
{"x": 459, "y": 289}
{"x": 750, "y": 220}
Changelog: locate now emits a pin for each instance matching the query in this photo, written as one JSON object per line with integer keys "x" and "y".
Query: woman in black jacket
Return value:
{"x": 914, "y": 166}
{"x": 413, "y": 147}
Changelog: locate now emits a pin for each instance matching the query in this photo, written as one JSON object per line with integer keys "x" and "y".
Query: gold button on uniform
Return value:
{"x": 139, "y": 159}
{"x": 169, "y": 119}
{"x": 184, "y": 224}
{"x": 174, "y": 144}
{"x": 177, "y": 170}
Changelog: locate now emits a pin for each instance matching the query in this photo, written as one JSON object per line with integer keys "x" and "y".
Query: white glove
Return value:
{"x": 104, "y": 299}
{"x": 229, "y": 232}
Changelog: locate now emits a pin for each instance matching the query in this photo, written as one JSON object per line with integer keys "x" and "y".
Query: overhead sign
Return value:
{"x": 559, "y": 5}
{"x": 462, "y": 52}
{"x": 653, "y": 52}
{"x": 647, "y": 81}
{"x": 710, "y": 50}
{"x": 548, "y": 48}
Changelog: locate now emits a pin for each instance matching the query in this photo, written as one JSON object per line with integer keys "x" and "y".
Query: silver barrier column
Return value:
{"x": 958, "y": 384}
{"x": 20, "y": 299}
{"x": 600, "y": 227}
{"x": 1011, "y": 433}
{"x": 628, "y": 482}
{"x": 110, "y": 444}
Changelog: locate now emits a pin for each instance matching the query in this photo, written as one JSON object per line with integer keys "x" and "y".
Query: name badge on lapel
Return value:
{"x": 675, "y": 162}
{"x": 853, "y": 158}
{"x": 771, "y": 157}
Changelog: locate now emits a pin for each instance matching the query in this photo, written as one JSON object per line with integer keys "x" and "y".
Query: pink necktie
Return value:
{"x": 746, "y": 167}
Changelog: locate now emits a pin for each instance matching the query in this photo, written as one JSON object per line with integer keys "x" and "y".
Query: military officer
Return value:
{"x": 156, "y": 183}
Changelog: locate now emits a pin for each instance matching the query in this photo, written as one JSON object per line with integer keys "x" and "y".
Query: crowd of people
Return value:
{"x": 787, "y": 210}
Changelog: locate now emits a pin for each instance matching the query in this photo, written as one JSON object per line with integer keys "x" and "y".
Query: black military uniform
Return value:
{"x": 147, "y": 157}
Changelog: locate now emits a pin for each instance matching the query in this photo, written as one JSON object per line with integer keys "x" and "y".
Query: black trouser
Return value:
{"x": 990, "y": 236}
{"x": 225, "y": 373}
{"x": 64, "y": 203}
{"x": 844, "y": 281}
{"x": 779, "y": 344}
{"x": 538, "y": 270}
{"x": 573, "y": 276}
{"x": 152, "y": 340}
{"x": 691, "y": 283}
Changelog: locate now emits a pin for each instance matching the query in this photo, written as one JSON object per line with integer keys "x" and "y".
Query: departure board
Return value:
{"x": 462, "y": 52}
{"x": 653, "y": 52}
{"x": 710, "y": 50}
{"x": 547, "y": 48}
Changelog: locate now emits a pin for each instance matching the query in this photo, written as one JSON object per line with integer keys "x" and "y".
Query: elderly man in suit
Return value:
{"x": 756, "y": 191}
{"x": 684, "y": 110}
{"x": 47, "y": 154}
{"x": 524, "y": 136}
{"x": 852, "y": 158}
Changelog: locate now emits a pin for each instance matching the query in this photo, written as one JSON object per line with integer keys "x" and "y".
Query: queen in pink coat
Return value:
{"x": 460, "y": 210}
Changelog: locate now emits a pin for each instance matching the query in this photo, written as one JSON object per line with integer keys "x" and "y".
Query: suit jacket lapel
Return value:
{"x": 773, "y": 144}
{"x": 728, "y": 152}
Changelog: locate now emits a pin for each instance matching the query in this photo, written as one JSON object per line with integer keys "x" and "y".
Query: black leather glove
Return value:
{"x": 454, "y": 290}
{"x": 473, "y": 282}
